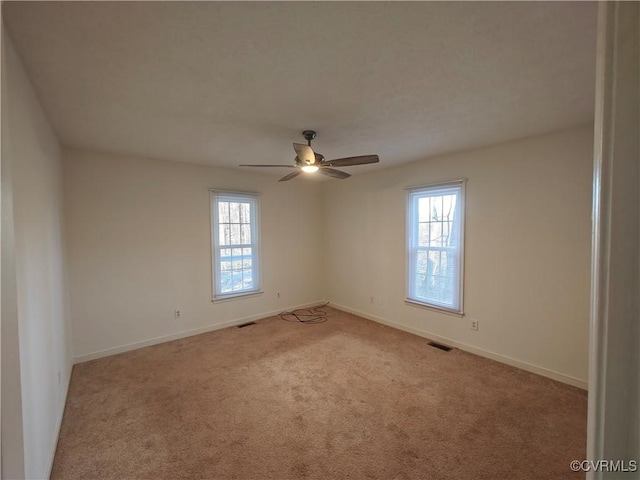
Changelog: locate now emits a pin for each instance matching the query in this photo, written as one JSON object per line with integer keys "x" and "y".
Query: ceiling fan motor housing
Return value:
{"x": 309, "y": 135}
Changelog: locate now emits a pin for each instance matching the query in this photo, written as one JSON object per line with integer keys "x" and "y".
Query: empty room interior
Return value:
{"x": 249, "y": 240}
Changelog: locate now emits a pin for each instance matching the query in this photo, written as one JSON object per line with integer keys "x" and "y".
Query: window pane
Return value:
{"x": 433, "y": 261}
{"x": 434, "y": 290}
{"x": 420, "y": 286}
{"x": 236, "y": 280}
{"x": 223, "y": 233}
{"x": 223, "y": 212}
{"x": 423, "y": 234}
{"x": 225, "y": 281}
{"x": 234, "y": 212}
{"x": 436, "y": 234}
{"x": 423, "y": 209}
{"x": 247, "y": 279}
{"x": 245, "y": 233}
{"x": 421, "y": 264}
{"x": 438, "y": 208}
{"x": 245, "y": 212}
{"x": 235, "y": 234}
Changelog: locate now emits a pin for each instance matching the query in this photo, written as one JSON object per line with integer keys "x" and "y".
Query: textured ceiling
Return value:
{"x": 223, "y": 83}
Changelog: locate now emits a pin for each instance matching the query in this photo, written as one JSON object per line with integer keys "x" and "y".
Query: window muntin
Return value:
{"x": 435, "y": 244}
{"x": 236, "y": 253}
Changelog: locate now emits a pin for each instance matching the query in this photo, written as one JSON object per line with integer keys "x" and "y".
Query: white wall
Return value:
{"x": 140, "y": 248}
{"x": 528, "y": 226}
{"x": 33, "y": 158}
{"x": 11, "y": 398}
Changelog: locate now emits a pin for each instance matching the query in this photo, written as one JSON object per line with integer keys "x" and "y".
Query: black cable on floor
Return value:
{"x": 306, "y": 315}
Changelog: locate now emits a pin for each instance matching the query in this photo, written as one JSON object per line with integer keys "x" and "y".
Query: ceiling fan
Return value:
{"x": 309, "y": 161}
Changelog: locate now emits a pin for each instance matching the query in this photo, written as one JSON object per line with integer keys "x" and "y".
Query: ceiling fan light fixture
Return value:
{"x": 309, "y": 168}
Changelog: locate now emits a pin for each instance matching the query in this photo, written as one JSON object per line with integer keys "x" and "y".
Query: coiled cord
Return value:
{"x": 306, "y": 315}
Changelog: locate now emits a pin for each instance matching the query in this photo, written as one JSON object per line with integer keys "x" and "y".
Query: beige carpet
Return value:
{"x": 344, "y": 399}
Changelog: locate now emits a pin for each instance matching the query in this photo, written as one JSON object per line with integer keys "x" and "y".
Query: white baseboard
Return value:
{"x": 560, "y": 377}
{"x": 185, "y": 333}
{"x": 56, "y": 435}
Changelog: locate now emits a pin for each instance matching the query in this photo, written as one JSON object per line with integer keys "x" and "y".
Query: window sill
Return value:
{"x": 239, "y": 296}
{"x": 414, "y": 303}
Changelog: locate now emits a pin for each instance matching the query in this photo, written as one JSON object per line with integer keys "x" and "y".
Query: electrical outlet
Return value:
{"x": 178, "y": 314}
{"x": 474, "y": 324}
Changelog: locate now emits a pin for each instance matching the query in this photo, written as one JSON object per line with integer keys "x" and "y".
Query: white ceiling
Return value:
{"x": 223, "y": 83}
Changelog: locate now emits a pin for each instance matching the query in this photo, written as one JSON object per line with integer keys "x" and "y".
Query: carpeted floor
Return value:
{"x": 344, "y": 399}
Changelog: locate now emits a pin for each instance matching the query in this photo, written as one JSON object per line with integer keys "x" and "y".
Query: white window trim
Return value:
{"x": 461, "y": 183}
{"x": 215, "y": 273}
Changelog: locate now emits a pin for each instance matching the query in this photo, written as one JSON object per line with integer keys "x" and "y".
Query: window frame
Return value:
{"x": 216, "y": 196}
{"x": 411, "y": 232}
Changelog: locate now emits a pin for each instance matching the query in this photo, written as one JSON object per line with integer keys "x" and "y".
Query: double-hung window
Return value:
{"x": 435, "y": 245}
{"x": 236, "y": 252}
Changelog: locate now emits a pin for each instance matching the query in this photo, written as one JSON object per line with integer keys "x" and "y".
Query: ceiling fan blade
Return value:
{"x": 293, "y": 174}
{"x": 285, "y": 166}
{"x": 349, "y": 161}
{"x": 332, "y": 172}
{"x": 305, "y": 154}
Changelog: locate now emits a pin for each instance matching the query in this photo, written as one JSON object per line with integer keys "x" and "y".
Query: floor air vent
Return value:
{"x": 440, "y": 346}
{"x": 246, "y": 324}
